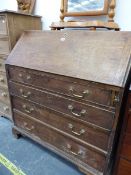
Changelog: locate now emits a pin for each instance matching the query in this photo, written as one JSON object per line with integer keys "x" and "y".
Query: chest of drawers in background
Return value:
{"x": 124, "y": 147}
{"x": 66, "y": 92}
{"x": 12, "y": 25}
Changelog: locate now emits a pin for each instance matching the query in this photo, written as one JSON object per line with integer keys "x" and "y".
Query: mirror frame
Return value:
{"x": 65, "y": 13}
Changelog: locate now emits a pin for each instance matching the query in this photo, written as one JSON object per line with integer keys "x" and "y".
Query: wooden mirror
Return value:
{"x": 84, "y": 8}
{"x": 78, "y": 8}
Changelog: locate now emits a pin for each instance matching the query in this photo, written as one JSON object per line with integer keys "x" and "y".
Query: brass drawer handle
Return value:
{"x": 28, "y": 77}
{"x": 27, "y": 128}
{"x": 25, "y": 95}
{"x": 86, "y": 92}
{"x": 29, "y": 111}
{"x": 2, "y": 80}
{"x": 3, "y": 94}
{"x": 82, "y": 131}
{"x": 69, "y": 149}
{"x": 82, "y": 112}
{"x": 20, "y": 75}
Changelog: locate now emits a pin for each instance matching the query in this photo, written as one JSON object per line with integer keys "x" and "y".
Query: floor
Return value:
{"x": 30, "y": 157}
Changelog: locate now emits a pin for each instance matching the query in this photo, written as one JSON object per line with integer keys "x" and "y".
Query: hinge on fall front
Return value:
{"x": 114, "y": 98}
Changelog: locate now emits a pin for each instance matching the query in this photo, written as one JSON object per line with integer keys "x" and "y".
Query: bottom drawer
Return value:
{"x": 124, "y": 167}
{"x": 5, "y": 109}
{"x": 63, "y": 143}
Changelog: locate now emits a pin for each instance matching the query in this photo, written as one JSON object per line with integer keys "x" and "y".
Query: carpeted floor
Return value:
{"x": 30, "y": 157}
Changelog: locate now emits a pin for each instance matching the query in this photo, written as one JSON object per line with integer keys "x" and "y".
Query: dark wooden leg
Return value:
{"x": 16, "y": 133}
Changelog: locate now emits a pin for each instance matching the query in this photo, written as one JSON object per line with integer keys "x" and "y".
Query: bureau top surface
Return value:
{"x": 102, "y": 57}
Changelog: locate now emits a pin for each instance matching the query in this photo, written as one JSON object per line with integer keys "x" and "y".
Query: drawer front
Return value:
{"x": 5, "y": 109}
{"x": 3, "y": 25}
{"x": 2, "y": 65}
{"x": 4, "y": 95}
{"x": 64, "y": 143}
{"x": 124, "y": 167}
{"x": 74, "y": 109}
{"x": 126, "y": 147}
{"x": 88, "y": 92}
{"x": 4, "y": 45}
{"x": 84, "y": 132}
{"x": 3, "y": 80}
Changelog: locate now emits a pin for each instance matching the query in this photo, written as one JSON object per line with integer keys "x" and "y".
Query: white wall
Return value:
{"x": 49, "y": 10}
{"x": 123, "y": 14}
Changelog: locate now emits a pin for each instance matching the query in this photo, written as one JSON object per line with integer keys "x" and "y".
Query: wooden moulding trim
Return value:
{"x": 81, "y": 24}
{"x": 86, "y": 13}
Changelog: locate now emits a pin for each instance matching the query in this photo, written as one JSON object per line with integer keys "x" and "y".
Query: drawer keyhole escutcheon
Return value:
{"x": 25, "y": 95}
{"x": 80, "y": 114}
{"x": 28, "y": 128}
{"x": 28, "y": 110}
{"x": 84, "y": 93}
{"x": 82, "y": 131}
{"x": 69, "y": 149}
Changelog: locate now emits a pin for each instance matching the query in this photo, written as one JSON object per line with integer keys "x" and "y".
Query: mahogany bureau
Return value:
{"x": 12, "y": 24}
{"x": 123, "y": 164}
{"x": 66, "y": 89}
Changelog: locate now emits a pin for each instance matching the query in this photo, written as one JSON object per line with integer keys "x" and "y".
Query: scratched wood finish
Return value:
{"x": 75, "y": 56}
{"x": 44, "y": 108}
{"x": 12, "y": 25}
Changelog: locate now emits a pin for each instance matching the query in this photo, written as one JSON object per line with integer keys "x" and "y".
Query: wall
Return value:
{"x": 49, "y": 10}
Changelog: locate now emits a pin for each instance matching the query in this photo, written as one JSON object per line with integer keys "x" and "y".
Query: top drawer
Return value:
{"x": 62, "y": 85}
{"x": 3, "y": 28}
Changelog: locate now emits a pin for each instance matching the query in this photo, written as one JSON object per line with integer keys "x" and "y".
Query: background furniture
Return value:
{"x": 88, "y": 8}
{"x": 12, "y": 24}
{"x": 26, "y": 6}
{"x": 66, "y": 92}
{"x": 123, "y": 164}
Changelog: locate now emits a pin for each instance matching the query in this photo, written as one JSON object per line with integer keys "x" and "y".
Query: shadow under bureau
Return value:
{"x": 66, "y": 89}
